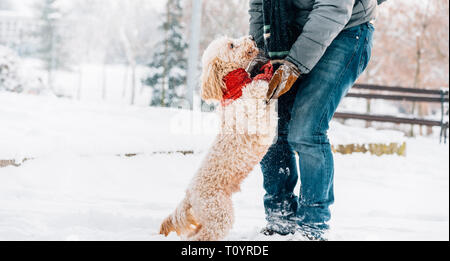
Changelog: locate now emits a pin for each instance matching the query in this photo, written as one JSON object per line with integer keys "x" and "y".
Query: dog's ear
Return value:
{"x": 212, "y": 82}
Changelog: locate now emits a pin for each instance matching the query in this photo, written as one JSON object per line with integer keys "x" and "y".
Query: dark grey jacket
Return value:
{"x": 320, "y": 22}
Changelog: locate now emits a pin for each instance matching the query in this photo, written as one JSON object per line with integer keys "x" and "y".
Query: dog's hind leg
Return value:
{"x": 216, "y": 219}
{"x": 180, "y": 221}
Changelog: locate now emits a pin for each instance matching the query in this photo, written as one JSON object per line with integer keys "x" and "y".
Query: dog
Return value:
{"x": 248, "y": 128}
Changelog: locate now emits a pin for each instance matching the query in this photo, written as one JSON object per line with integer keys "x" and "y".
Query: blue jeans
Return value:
{"x": 305, "y": 112}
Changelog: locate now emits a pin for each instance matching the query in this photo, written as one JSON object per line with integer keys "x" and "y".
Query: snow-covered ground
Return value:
{"x": 78, "y": 187}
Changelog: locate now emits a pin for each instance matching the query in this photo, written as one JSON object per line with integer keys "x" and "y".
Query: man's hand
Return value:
{"x": 254, "y": 67}
{"x": 283, "y": 79}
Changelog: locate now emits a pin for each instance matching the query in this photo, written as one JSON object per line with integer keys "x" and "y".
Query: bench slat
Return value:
{"x": 398, "y": 89}
{"x": 386, "y": 118}
{"x": 396, "y": 97}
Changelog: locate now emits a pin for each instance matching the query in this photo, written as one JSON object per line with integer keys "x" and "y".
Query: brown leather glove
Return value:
{"x": 283, "y": 79}
{"x": 254, "y": 67}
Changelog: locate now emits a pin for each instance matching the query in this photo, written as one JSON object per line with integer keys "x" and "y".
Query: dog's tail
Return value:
{"x": 180, "y": 221}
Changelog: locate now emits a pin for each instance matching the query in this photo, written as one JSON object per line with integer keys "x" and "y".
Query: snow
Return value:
{"x": 39, "y": 126}
{"x": 78, "y": 187}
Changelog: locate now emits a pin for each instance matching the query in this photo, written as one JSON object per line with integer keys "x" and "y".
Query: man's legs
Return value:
{"x": 279, "y": 167}
{"x": 305, "y": 113}
{"x": 318, "y": 97}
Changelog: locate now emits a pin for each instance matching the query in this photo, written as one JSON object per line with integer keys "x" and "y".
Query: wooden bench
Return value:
{"x": 406, "y": 94}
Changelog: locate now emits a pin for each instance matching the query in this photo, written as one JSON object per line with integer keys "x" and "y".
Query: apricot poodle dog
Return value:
{"x": 248, "y": 128}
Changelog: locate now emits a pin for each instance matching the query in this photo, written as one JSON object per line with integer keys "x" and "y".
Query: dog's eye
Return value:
{"x": 231, "y": 45}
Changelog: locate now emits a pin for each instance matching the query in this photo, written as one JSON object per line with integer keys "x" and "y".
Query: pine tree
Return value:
{"x": 169, "y": 64}
{"x": 51, "y": 48}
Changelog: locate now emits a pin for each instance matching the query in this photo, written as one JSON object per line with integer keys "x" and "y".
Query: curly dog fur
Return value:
{"x": 248, "y": 128}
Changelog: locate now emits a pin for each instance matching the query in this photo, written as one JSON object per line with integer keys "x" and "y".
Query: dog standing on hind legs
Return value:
{"x": 248, "y": 128}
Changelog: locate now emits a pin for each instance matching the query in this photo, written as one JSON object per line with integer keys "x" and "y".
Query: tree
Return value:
{"x": 231, "y": 19}
{"x": 13, "y": 78}
{"x": 9, "y": 66}
{"x": 168, "y": 68}
{"x": 109, "y": 32}
{"x": 411, "y": 49}
{"x": 51, "y": 48}
{"x": 135, "y": 35}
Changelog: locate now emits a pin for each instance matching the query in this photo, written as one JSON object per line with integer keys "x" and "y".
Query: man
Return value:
{"x": 326, "y": 45}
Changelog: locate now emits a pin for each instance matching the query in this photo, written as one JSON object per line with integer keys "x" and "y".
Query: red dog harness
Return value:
{"x": 236, "y": 80}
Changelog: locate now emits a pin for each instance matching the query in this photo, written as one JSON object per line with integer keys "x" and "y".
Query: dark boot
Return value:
{"x": 313, "y": 233}
{"x": 281, "y": 227}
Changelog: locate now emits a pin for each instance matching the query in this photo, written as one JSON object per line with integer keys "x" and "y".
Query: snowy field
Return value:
{"x": 77, "y": 186}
